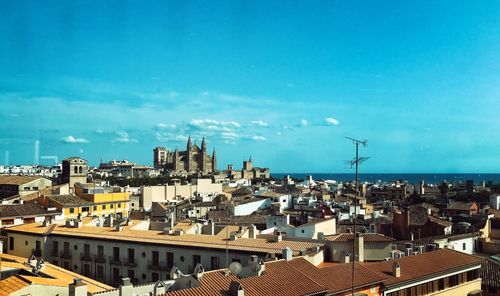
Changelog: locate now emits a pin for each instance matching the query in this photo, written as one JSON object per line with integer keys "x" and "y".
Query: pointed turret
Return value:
{"x": 189, "y": 144}
{"x": 203, "y": 144}
{"x": 214, "y": 162}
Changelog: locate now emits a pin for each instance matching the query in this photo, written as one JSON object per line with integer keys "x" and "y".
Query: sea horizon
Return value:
{"x": 429, "y": 178}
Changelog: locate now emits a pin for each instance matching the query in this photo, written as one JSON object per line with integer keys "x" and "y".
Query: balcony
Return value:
{"x": 155, "y": 265}
{"x": 65, "y": 254}
{"x": 85, "y": 257}
{"x": 99, "y": 259}
{"x": 129, "y": 263}
{"x": 115, "y": 261}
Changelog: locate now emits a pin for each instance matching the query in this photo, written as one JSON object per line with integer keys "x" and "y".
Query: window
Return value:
{"x": 66, "y": 264}
{"x": 26, "y": 188}
{"x": 80, "y": 170}
{"x": 111, "y": 206}
{"x": 196, "y": 260}
{"x": 86, "y": 250}
{"x": 35, "y": 188}
{"x": 95, "y": 208}
{"x": 71, "y": 210}
{"x": 86, "y": 269}
{"x": 103, "y": 207}
{"x": 100, "y": 272}
{"x": 131, "y": 256}
{"x": 75, "y": 170}
{"x": 131, "y": 275}
{"x": 155, "y": 258}
{"x": 66, "y": 248}
{"x": 55, "y": 248}
{"x": 214, "y": 262}
{"x": 170, "y": 260}
{"x": 119, "y": 205}
{"x": 85, "y": 209}
{"x": 11, "y": 243}
{"x": 236, "y": 260}
{"x": 154, "y": 277}
{"x": 116, "y": 275}
{"x": 116, "y": 254}
{"x": 464, "y": 246}
{"x": 100, "y": 251}
{"x": 302, "y": 230}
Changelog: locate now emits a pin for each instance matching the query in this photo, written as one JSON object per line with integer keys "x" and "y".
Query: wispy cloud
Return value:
{"x": 165, "y": 126}
{"x": 72, "y": 140}
{"x": 259, "y": 123}
{"x": 258, "y": 138}
{"x": 123, "y": 137}
{"x": 331, "y": 121}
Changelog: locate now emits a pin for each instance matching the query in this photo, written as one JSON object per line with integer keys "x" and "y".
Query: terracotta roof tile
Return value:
{"x": 423, "y": 265}
{"x": 367, "y": 237}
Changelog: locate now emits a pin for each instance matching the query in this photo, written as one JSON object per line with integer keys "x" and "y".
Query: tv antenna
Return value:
{"x": 355, "y": 162}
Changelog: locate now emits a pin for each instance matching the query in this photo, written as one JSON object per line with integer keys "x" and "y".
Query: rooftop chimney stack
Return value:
{"x": 77, "y": 288}
{"x": 252, "y": 231}
{"x": 396, "y": 270}
{"x": 126, "y": 287}
{"x": 287, "y": 254}
{"x": 360, "y": 247}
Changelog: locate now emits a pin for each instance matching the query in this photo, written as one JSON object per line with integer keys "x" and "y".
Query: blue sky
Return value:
{"x": 283, "y": 81}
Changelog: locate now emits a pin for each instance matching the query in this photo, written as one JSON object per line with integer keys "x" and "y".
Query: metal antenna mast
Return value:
{"x": 355, "y": 162}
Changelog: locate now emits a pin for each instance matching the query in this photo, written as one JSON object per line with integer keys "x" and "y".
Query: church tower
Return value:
{"x": 202, "y": 161}
{"x": 214, "y": 162}
{"x": 189, "y": 154}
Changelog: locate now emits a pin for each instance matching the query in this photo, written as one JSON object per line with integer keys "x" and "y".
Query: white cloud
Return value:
{"x": 259, "y": 123}
{"x": 123, "y": 137}
{"x": 99, "y": 131}
{"x": 165, "y": 126}
{"x": 258, "y": 138}
{"x": 304, "y": 122}
{"x": 202, "y": 123}
{"x": 331, "y": 121}
{"x": 70, "y": 139}
{"x": 170, "y": 137}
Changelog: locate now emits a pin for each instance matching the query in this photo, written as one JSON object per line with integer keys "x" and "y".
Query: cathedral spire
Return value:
{"x": 189, "y": 144}
{"x": 203, "y": 144}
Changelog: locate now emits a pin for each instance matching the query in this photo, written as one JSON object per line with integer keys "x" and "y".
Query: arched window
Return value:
{"x": 81, "y": 170}
{"x": 76, "y": 170}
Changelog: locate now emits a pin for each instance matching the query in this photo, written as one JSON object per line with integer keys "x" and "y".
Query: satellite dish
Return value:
{"x": 235, "y": 268}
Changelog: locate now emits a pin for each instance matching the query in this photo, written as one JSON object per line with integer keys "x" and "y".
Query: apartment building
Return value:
{"x": 89, "y": 200}
{"x": 107, "y": 254}
{"x": 11, "y": 186}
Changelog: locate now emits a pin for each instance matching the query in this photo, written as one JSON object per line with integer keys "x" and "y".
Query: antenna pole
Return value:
{"x": 356, "y": 163}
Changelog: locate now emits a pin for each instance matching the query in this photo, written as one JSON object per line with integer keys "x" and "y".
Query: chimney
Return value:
{"x": 409, "y": 252}
{"x": 126, "y": 287}
{"x": 420, "y": 249}
{"x": 118, "y": 227}
{"x": 360, "y": 248}
{"x": 347, "y": 258}
{"x": 396, "y": 269}
{"x": 394, "y": 254}
{"x": 252, "y": 231}
{"x": 253, "y": 259}
{"x": 287, "y": 254}
{"x": 235, "y": 289}
{"x": 77, "y": 288}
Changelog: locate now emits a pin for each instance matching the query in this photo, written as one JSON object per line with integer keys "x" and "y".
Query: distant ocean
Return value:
{"x": 411, "y": 178}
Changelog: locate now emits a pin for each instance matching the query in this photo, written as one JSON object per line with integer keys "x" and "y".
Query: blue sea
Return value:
{"x": 411, "y": 178}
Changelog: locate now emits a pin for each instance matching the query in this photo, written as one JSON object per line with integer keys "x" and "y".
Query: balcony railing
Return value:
{"x": 115, "y": 261}
{"x": 156, "y": 265}
{"x": 85, "y": 257}
{"x": 65, "y": 255}
{"x": 99, "y": 259}
{"x": 130, "y": 262}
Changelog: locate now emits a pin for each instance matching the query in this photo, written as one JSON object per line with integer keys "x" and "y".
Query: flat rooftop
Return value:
{"x": 218, "y": 241}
